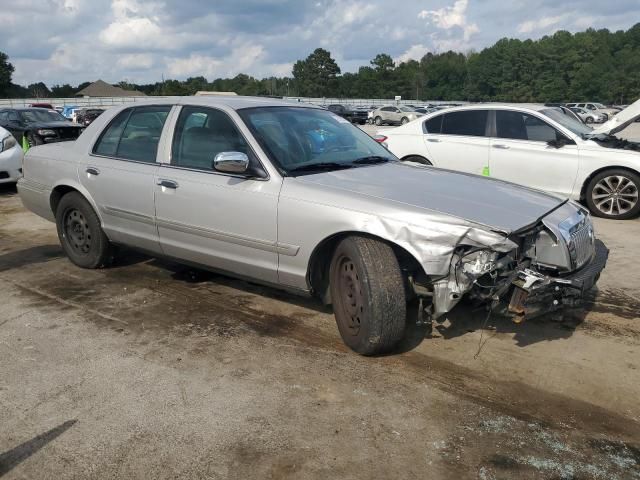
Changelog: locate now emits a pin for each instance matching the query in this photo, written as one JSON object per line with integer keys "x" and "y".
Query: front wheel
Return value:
{"x": 589, "y": 120}
{"x": 614, "y": 194}
{"x": 417, "y": 159}
{"x": 80, "y": 232}
{"x": 367, "y": 291}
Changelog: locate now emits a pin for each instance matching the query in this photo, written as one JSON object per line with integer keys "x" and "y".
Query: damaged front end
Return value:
{"x": 550, "y": 266}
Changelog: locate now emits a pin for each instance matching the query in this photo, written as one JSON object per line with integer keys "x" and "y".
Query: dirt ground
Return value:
{"x": 150, "y": 369}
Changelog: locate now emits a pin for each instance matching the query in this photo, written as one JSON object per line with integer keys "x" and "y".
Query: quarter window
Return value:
{"x": 522, "y": 126}
{"x": 134, "y": 134}
{"x": 471, "y": 123}
{"x": 433, "y": 125}
{"x": 202, "y": 133}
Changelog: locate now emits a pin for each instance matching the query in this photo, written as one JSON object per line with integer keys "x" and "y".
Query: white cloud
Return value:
{"x": 135, "y": 61}
{"x": 415, "y": 52}
{"x": 540, "y": 24}
{"x": 447, "y": 18}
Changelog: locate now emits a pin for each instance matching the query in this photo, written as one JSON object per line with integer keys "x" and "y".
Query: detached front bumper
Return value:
{"x": 535, "y": 294}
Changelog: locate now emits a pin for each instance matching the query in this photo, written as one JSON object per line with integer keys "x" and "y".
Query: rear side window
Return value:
{"x": 134, "y": 134}
{"x": 522, "y": 126}
{"x": 433, "y": 125}
{"x": 471, "y": 123}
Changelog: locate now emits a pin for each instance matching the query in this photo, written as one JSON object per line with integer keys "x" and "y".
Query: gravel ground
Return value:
{"x": 150, "y": 369}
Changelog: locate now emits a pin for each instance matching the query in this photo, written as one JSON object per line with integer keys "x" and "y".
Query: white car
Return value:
{"x": 531, "y": 145}
{"x": 589, "y": 116}
{"x": 10, "y": 158}
{"x": 595, "y": 108}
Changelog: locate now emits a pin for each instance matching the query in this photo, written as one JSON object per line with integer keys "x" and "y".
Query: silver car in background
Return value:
{"x": 394, "y": 115}
{"x": 296, "y": 197}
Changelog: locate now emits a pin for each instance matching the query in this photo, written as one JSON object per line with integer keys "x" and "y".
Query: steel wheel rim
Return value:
{"x": 615, "y": 195}
{"x": 77, "y": 231}
{"x": 350, "y": 294}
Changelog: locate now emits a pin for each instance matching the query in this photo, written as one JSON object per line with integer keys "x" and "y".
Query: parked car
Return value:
{"x": 296, "y": 197}
{"x": 68, "y": 111}
{"x": 589, "y": 116}
{"x": 88, "y": 115}
{"x": 354, "y": 115}
{"x": 39, "y": 125}
{"x": 10, "y": 157}
{"x": 595, "y": 107}
{"x": 392, "y": 115}
{"x": 531, "y": 145}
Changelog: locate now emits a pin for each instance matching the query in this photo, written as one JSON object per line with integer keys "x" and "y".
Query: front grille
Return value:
{"x": 68, "y": 133}
{"x": 582, "y": 245}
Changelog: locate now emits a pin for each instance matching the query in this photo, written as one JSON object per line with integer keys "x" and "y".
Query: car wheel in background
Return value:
{"x": 378, "y": 121}
{"x": 81, "y": 234}
{"x": 417, "y": 159}
{"x": 404, "y": 121}
{"x": 588, "y": 120}
{"x": 33, "y": 140}
{"x": 367, "y": 292}
{"x": 614, "y": 194}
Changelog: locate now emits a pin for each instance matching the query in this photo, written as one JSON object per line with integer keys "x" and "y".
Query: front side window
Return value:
{"x": 309, "y": 140}
{"x": 202, "y": 133}
{"x": 522, "y": 126}
{"x": 472, "y": 123}
{"x": 134, "y": 134}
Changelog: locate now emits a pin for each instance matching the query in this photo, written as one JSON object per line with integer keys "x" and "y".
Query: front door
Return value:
{"x": 120, "y": 173}
{"x": 520, "y": 153}
{"x": 224, "y": 221}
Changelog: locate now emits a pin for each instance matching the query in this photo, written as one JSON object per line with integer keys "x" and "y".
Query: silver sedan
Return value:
{"x": 296, "y": 197}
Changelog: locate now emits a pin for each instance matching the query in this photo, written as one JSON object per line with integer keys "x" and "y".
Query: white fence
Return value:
{"x": 109, "y": 101}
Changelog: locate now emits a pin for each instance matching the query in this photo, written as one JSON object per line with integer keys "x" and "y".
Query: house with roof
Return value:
{"x": 101, "y": 88}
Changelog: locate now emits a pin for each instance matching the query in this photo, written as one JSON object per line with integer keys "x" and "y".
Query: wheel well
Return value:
{"x": 419, "y": 156}
{"x": 57, "y": 194}
{"x": 320, "y": 262}
{"x": 583, "y": 190}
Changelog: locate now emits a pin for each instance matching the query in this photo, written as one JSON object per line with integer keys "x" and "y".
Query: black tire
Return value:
{"x": 588, "y": 120}
{"x": 81, "y": 234}
{"x": 614, "y": 194}
{"x": 404, "y": 121}
{"x": 417, "y": 159}
{"x": 378, "y": 121}
{"x": 367, "y": 292}
{"x": 33, "y": 140}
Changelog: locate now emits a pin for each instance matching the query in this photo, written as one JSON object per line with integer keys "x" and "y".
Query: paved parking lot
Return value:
{"x": 151, "y": 369}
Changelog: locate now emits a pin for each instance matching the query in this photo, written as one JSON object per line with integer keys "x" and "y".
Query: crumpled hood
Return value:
{"x": 621, "y": 120}
{"x": 500, "y": 205}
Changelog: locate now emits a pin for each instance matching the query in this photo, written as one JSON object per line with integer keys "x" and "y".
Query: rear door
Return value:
{"x": 120, "y": 174}
{"x": 520, "y": 153}
{"x": 458, "y": 140}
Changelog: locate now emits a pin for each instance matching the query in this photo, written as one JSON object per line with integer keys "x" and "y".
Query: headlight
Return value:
{"x": 7, "y": 143}
{"x": 46, "y": 132}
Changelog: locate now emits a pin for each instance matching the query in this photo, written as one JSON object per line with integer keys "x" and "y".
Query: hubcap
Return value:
{"x": 77, "y": 232}
{"x": 615, "y": 195}
{"x": 351, "y": 293}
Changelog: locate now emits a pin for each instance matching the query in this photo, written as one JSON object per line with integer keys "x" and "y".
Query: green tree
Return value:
{"x": 316, "y": 75}
{"x": 6, "y": 72}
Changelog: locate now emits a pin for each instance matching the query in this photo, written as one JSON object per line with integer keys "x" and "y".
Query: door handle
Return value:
{"x": 501, "y": 146}
{"x": 434, "y": 140}
{"x": 167, "y": 183}
{"x": 92, "y": 171}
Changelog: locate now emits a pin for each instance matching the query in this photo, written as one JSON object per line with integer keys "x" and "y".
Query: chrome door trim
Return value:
{"x": 275, "y": 247}
{"x": 128, "y": 215}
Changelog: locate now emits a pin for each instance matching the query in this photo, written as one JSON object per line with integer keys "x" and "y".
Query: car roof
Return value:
{"x": 235, "y": 102}
{"x": 498, "y": 106}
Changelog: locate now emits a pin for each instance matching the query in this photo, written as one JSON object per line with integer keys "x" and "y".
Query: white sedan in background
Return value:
{"x": 532, "y": 145}
{"x": 10, "y": 158}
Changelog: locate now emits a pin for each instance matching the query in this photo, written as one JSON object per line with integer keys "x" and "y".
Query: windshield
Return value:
{"x": 41, "y": 115}
{"x": 567, "y": 121}
{"x": 309, "y": 140}
{"x": 406, "y": 109}
{"x": 599, "y": 105}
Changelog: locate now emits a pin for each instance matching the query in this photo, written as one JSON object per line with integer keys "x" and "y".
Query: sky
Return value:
{"x": 140, "y": 41}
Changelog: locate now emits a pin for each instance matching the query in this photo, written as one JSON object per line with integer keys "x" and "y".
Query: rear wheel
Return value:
{"x": 404, "y": 121}
{"x": 378, "y": 121}
{"x": 614, "y": 194}
{"x": 589, "y": 120}
{"x": 80, "y": 232}
{"x": 368, "y": 296}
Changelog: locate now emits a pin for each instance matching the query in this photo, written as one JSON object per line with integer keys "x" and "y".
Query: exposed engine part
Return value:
{"x": 614, "y": 142}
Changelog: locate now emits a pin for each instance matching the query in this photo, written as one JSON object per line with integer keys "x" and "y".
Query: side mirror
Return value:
{"x": 231, "y": 162}
{"x": 560, "y": 142}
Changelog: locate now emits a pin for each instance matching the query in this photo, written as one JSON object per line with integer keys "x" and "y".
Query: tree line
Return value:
{"x": 594, "y": 65}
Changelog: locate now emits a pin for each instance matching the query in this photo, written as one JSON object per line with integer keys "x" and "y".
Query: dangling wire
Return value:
{"x": 481, "y": 344}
